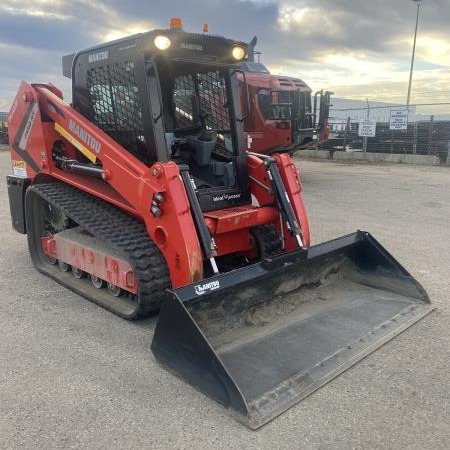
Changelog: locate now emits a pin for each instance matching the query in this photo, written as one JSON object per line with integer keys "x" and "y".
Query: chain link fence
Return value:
{"x": 421, "y": 129}
{"x": 3, "y": 128}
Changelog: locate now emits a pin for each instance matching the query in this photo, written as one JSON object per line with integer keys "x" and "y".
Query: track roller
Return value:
{"x": 97, "y": 282}
{"x": 77, "y": 273}
{"x": 114, "y": 290}
{"x": 63, "y": 266}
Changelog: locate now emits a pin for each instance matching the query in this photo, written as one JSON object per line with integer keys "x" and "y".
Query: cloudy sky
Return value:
{"x": 357, "y": 48}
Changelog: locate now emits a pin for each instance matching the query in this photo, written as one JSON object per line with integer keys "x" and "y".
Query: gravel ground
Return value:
{"x": 74, "y": 376}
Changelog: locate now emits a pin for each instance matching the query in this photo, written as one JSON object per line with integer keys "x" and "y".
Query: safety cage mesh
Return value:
{"x": 210, "y": 90}
{"x": 115, "y": 105}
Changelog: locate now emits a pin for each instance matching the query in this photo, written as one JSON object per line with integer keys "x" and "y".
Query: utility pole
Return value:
{"x": 413, "y": 53}
{"x": 365, "y": 137}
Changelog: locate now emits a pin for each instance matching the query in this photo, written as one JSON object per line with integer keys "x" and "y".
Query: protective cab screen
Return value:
{"x": 199, "y": 127}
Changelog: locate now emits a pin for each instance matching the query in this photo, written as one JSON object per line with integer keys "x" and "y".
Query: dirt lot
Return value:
{"x": 74, "y": 376}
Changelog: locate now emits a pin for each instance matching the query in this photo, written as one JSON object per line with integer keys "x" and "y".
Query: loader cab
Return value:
{"x": 169, "y": 95}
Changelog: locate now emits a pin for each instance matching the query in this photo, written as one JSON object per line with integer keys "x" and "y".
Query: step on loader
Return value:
{"x": 141, "y": 196}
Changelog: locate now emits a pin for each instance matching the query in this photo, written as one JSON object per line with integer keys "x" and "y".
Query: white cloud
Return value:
{"x": 356, "y": 48}
{"x": 111, "y": 34}
{"x": 434, "y": 49}
{"x": 40, "y": 8}
{"x": 307, "y": 19}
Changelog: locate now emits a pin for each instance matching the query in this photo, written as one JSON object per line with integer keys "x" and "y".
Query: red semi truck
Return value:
{"x": 282, "y": 113}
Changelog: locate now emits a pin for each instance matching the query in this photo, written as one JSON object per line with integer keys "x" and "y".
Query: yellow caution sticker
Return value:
{"x": 19, "y": 169}
{"x": 76, "y": 143}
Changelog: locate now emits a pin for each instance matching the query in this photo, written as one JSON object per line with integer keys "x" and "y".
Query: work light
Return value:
{"x": 238, "y": 53}
{"x": 162, "y": 42}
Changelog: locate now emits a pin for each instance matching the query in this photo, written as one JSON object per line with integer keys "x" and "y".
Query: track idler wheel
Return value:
{"x": 50, "y": 259}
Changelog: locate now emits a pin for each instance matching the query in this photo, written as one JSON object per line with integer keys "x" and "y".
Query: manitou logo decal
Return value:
{"x": 188, "y": 46}
{"x": 83, "y": 135}
{"x": 96, "y": 57}
{"x": 220, "y": 198}
{"x": 201, "y": 289}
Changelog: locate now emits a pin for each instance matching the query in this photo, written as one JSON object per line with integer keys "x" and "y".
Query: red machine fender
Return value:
{"x": 32, "y": 140}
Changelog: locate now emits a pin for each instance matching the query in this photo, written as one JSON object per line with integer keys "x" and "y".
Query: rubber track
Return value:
{"x": 123, "y": 233}
{"x": 268, "y": 239}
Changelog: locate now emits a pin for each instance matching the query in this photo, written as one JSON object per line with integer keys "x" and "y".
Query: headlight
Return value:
{"x": 238, "y": 53}
{"x": 162, "y": 42}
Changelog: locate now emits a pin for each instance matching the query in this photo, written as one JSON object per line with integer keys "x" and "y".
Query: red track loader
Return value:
{"x": 141, "y": 196}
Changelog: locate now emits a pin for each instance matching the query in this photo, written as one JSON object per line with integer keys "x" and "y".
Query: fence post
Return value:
{"x": 347, "y": 129}
{"x": 430, "y": 135}
{"x": 365, "y": 137}
{"x": 415, "y": 138}
{"x": 365, "y": 147}
{"x": 448, "y": 153}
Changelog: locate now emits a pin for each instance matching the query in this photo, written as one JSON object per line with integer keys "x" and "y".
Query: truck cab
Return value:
{"x": 284, "y": 114}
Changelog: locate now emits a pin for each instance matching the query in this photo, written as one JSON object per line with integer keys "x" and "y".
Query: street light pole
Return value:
{"x": 413, "y": 53}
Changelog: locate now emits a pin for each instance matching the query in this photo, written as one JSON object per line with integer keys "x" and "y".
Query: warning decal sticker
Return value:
{"x": 19, "y": 169}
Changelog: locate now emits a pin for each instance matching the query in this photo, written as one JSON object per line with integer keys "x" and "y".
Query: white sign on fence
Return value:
{"x": 398, "y": 119}
{"x": 367, "y": 129}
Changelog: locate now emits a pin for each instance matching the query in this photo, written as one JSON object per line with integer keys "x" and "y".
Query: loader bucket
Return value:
{"x": 261, "y": 338}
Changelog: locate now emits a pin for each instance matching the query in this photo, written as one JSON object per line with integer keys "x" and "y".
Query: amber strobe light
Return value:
{"x": 176, "y": 22}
